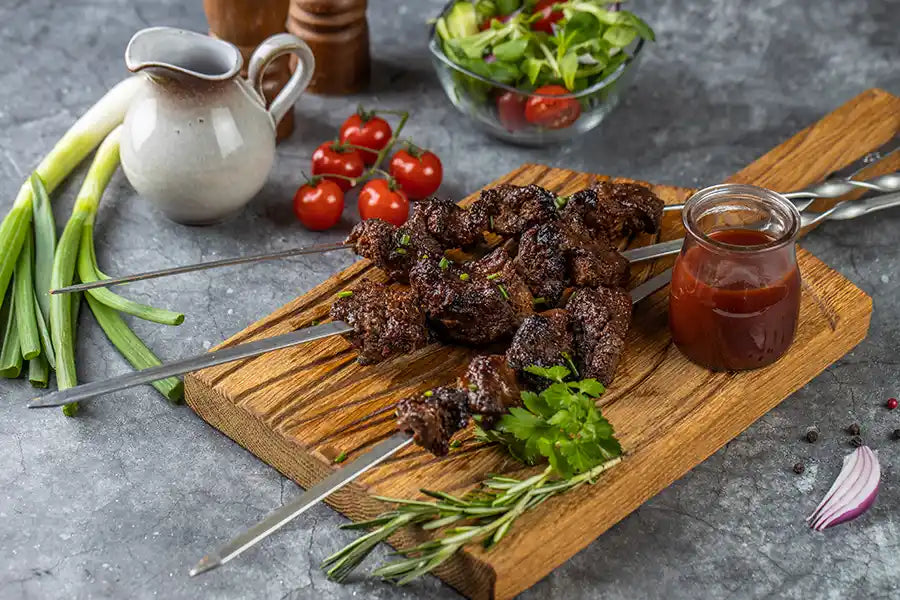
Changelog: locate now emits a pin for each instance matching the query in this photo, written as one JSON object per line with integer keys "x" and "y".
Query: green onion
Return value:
{"x": 88, "y": 272}
{"x": 62, "y": 323}
{"x": 404, "y": 239}
{"x": 400, "y": 250}
{"x": 10, "y": 356}
{"x": 39, "y": 372}
{"x": 444, "y": 264}
{"x": 132, "y": 348}
{"x": 428, "y": 394}
{"x": 493, "y": 276}
{"x": 340, "y": 457}
{"x": 44, "y": 243}
{"x": 539, "y": 300}
{"x": 23, "y": 290}
{"x": 464, "y": 276}
{"x": 46, "y": 340}
{"x": 69, "y": 151}
{"x": 503, "y": 291}
{"x": 344, "y": 294}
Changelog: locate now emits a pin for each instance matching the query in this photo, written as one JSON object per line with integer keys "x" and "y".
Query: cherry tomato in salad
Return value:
{"x": 552, "y": 113}
{"x": 511, "y": 110}
{"x": 419, "y": 173}
{"x": 368, "y": 131}
{"x": 319, "y": 204}
{"x": 383, "y": 199}
{"x": 548, "y": 16}
{"x": 331, "y": 159}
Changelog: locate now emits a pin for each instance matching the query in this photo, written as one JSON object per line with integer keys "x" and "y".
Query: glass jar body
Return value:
{"x": 735, "y": 295}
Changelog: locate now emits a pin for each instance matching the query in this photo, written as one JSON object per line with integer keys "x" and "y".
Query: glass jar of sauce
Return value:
{"x": 735, "y": 295}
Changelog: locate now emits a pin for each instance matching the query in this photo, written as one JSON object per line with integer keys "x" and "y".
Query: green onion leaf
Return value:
{"x": 44, "y": 243}
{"x": 10, "y": 356}
{"x": 404, "y": 239}
{"x": 344, "y": 294}
{"x": 464, "y": 276}
{"x": 444, "y": 264}
{"x": 23, "y": 288}
{"x": 39, "y": 372}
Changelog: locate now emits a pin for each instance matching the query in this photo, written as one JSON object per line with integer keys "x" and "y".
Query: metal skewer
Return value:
{"x": 831, "y": 188}
{"x": 213, "y": 264}
{"x": 281, "y": 516}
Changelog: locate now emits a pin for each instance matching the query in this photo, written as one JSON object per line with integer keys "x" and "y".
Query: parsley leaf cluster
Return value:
{"x": 562, "y": 424}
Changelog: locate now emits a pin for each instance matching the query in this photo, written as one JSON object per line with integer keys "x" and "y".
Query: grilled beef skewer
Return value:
{"x": 588, "y": 335}
{"x": 578, "y": 237}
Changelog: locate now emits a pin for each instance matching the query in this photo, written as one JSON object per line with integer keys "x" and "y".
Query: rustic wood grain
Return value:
{"x": 299, "y": 408}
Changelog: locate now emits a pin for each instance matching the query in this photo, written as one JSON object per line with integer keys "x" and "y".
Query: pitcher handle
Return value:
{"x": 272, "y": 48}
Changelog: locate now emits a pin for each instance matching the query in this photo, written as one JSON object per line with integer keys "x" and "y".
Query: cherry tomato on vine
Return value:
{"x": 418, "y": 172}
{"x": 319, "y": 204}
{"x": 331, "y": 159}
{"x": 552, "y": 113}
{"x": 511, "y": 110}
{"x": 548, "y": 15}
{"x": 383, "y": 199}
{"x": 366, "y": 130}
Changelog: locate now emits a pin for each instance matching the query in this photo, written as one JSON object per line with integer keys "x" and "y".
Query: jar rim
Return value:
{"x": 722, "y": 191}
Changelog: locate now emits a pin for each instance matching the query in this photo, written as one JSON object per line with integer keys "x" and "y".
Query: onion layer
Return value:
{"x": 852, "y": 493}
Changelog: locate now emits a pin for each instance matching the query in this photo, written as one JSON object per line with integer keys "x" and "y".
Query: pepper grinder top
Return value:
{"x": 338, "y": 33}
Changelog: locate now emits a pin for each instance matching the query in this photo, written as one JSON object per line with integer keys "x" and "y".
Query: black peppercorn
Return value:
{"x": 856, "y": 441}
{"x": 812, "y": 434}
{"x": 799, "y": 468}
{"x": 897, "y": 434}
{"x": 853, "y": 429}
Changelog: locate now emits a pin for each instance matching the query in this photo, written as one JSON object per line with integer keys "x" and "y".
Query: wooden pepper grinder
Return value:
{"x": 246, "y": 23}
{"x": 338, "y": 34}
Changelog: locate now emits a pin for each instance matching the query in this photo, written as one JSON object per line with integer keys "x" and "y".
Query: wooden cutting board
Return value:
{"x": 299, "y": 408}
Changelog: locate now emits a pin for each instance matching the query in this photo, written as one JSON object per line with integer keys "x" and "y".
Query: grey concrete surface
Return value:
{"x": 120, "y": 501}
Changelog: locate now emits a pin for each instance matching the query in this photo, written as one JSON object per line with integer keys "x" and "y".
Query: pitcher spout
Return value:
{"x": 170, "y": 52}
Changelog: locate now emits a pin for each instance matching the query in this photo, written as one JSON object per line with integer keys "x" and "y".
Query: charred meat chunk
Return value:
{"x": 462, "y": 305}
{"x": 542, "y": 263}
{"x": 392, "y": 249}
{"x": 543, "y": 340}
{"x": 385, "y": 321}
{"x": 492, "y": 387}
{"x": 500, "y": 269}
{"x": 512, "y": 209}
{"x": 616, "y": 209}
{"x": 563, "y": 253}
{"x": 448, "y": 223}
{"x": 599, "y": 319}
{"x": 433, "y": 417}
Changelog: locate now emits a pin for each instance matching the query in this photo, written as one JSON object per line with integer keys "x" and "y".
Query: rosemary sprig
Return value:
{"x": 483, "y": 516}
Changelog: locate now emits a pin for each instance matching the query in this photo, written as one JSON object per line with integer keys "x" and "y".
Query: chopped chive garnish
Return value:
{"x": 464, "y": 276}
{"x": 424, "y": 257}
{"x": 345, "y": 294}
{"x": 473, "y": 387}
{"x": 493, "y": 276}
{"x": 404, "y": 239}
{"x": 400, "y": 250}
{"x": 444, "y": 264}
{"x": 539, "y": 301}
{"x": 340, "y": 457}
{"x": 455, "y": 444}
{"x": 313, "y": 323}
{"x": 491, "y": 221}
{"x": 428, "y": 394}
{"x": 503, "y": 291}
{"x": 561, "y": 201}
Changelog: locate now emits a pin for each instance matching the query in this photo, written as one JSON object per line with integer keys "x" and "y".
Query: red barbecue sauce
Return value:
{"x": 734, "y": 310}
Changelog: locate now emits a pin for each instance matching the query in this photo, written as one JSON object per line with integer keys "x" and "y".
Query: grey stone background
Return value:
{"x": 120, "y": 501}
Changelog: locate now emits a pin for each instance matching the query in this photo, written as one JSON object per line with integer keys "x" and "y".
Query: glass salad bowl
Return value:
{"x": 514, "y": 115}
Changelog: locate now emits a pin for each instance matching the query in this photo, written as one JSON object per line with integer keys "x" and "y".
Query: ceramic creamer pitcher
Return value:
{"x": 198, "y": 140}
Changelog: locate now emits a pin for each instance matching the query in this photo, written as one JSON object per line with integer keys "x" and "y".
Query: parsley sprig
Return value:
{"x": 561, "y": 424}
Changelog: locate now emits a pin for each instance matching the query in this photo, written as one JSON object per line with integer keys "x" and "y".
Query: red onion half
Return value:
{"x": 853, "y": 492}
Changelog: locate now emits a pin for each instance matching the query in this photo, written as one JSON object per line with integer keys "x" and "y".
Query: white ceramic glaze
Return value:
{"x": 199, "y": 142}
